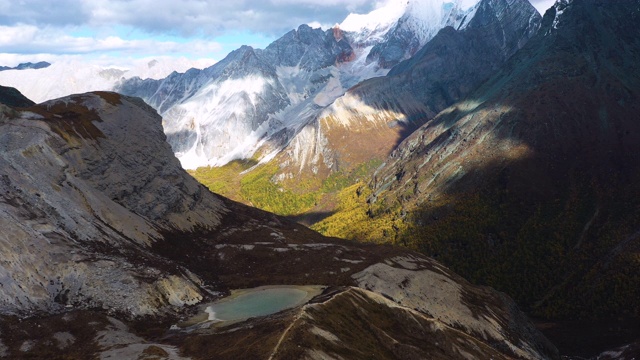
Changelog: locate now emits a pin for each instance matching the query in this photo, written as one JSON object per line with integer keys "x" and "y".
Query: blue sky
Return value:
{"x": 34, "y": 30}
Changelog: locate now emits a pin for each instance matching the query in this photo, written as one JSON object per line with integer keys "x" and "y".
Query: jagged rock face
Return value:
{"x": 238, "y": 105}
{"x": 12, "y": 97}
{"x": 310, "y": 49}
{"x": 374, "y": 116}
{"x": 538, "y": 169}
{"x": 211, "y": 113}
{"x": 95, "y": 216}
{"x": 226, "y": 111}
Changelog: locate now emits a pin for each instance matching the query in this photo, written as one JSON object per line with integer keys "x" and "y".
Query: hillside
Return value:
{"x": 107, "y": 242}
{"x": 530, "y": 184}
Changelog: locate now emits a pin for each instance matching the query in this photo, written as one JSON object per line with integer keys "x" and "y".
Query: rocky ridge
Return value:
{"x": 65, "y": 198}
{"x": 12, "y": 97}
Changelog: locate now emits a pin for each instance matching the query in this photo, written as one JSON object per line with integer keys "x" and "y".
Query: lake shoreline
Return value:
{"x": 207, "y": 315}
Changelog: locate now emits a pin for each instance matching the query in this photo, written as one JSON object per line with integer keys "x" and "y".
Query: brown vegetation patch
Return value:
{"x": 154, "y": 351}
{"x": 71, "y": 120}
{"x": 110, "y": 97}
{"x": 37, "y": 335}
{"x": 251, "y": 339}
{"x": 352, "y": 325}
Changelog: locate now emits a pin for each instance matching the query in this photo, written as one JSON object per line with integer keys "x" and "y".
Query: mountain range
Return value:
{"x": 27, "y": 65}
{"x": 256, "y": 101}
{"x": 41, "y": 83}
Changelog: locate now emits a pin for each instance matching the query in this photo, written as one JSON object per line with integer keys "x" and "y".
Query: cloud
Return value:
{"x": 195, "y": 28}
{"x": 185, "y": 18}
{"x": 29, "y": 39}
{"x": 57, "y": 13}
{"x": 206, "y": 18}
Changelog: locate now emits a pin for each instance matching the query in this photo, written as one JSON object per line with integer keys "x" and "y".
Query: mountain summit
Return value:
{"x": 397, "y": 30}
{"x": 451, "y": 65}
{"x": 258, "y": 102}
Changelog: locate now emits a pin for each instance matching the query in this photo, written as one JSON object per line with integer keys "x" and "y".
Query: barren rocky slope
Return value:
{"x": 106, "y": 242}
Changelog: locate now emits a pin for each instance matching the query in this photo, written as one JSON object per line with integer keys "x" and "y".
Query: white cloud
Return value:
{"x": 29, "y": 39}
{"x": 186, "y": 17}
{"x": 164, "y": 27}
{"x": 317, "y": 25}
{"x": 156, "y": 27}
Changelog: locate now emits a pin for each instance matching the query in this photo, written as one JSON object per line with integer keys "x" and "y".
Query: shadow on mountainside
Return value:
{"x": 587, "y": 339}
{"x": 532, "y": 185}
{"x": 310, "y": 218}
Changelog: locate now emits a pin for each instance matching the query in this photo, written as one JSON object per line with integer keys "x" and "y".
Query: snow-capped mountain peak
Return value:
{"x": 381, "y": 18}
{"x": 434, "y": 14}
{"x": 397, "y": 29}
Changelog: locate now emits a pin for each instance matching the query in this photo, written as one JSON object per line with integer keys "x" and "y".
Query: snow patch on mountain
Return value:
{"x": 359, "y": 69}
{"x": 422, "y": 16}
{"x": 426, "y": 18}
{"x": 376, "y": 23}
{"x": 209, "y": 128}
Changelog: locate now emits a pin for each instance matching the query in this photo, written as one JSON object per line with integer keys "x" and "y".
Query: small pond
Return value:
{"x": 265, "y": 300}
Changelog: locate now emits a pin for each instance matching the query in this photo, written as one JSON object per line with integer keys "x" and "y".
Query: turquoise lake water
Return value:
{"x": 256, "y": 303}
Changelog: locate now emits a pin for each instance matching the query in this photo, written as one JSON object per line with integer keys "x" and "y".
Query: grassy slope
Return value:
{"x": 258, "y": 186}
